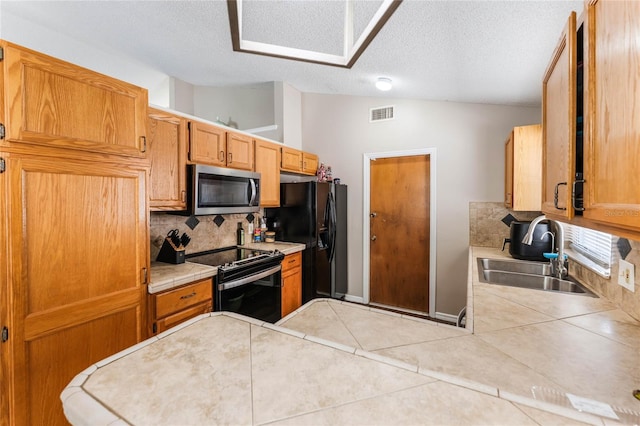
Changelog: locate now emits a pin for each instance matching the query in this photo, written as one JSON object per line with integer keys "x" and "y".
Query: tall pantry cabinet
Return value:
{"x": 73, "y": 213}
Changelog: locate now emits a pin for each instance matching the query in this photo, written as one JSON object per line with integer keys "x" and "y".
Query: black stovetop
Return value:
{"x": 224, "y": 256}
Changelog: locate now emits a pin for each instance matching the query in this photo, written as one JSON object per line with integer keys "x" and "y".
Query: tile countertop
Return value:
{"x": 255, "y": 373}
{"x": 165, "y": 276}
{"x": 586, "y": 345}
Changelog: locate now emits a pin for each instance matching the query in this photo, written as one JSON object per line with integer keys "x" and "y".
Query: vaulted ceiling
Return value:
{"x": 470, "y": 51}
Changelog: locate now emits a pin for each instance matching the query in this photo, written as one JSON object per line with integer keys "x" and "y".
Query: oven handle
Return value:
{"x": 250, "y": 278}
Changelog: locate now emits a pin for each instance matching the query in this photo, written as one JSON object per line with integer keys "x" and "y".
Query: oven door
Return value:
{"x": 256, "y": 296}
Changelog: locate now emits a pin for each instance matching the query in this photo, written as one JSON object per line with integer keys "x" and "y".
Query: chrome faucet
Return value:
{"x": 558, "y": 264}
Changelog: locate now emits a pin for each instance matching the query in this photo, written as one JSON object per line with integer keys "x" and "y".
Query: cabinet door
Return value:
{"x": 78, "y": 245}
{"x": 558, "y": 124}
{"x": 54, "y": 103}
{"x": 291, "y": 283}
{"x": 508, "y": 172}
{"x": 526, "y": 173}
{"x": 291, "y": 159}
{"x": 239, "y": 151}
{"x": 268, "y": 165}
{"x": 612, "y": 104}
{"x": 207, "y": 144}
{"x": 309, "y": 163}
{"x": 167, "y": 151}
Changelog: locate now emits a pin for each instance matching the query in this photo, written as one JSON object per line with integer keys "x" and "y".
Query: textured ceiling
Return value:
{"x": 469, "y": 51}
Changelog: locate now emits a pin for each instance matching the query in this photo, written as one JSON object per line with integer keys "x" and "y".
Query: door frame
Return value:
{"x": 366, "y": 199}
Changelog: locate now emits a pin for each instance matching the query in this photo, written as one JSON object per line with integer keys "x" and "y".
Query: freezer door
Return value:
{"x": 339, "y": 266}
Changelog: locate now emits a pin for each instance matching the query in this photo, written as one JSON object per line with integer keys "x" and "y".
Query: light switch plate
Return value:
{"x": 626, "y": 275}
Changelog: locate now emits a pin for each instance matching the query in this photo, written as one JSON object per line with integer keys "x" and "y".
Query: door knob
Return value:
{"x": 373, "y": 238}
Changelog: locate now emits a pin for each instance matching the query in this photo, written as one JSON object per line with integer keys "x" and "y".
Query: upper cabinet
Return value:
{"x": 52, "y": 103}
{"x": 309, "y": 163}
{"x": 558, "y": 124}
{"x": 591, "y": 125}
{"x": 167, "y": 140}
{"x": 209, "y": 144}
{"x": 268, "y": 165}
{"x": 523, "y": 168}
{"x": 612, "y": 114}
{"x": 297, "y": 161}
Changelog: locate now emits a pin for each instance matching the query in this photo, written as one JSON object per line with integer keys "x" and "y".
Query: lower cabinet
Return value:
{"x": 172, "y": 307}
{"x": 291, "y": 283}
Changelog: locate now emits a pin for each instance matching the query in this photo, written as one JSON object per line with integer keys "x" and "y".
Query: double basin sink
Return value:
{"x": 527, "y": 274}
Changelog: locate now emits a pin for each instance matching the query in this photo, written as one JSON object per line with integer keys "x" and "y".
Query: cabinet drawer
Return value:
{"x": 175, "y": 319}
{"x": 183, "y": 297}
{"x": 292, "y": 261}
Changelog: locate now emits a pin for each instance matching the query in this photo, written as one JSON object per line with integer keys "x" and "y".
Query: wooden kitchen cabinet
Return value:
{"x": 268, "y": 165}
{"x": 172, "y": 307}
{"x": 52, "y": 103}
{"x": 167, "y": 142}
{"x": 291, "y": 283}
{"x": 240, "y": 151}
{"x": 523, "y": 168}
{"x": 612, "y": 118}
{"x": 297, "y": 161}
{"x": 559, "y": 126}
{"x": 76, "y": 241}
{"x": 209, "y": 144}
{"x": 309, "y": 163}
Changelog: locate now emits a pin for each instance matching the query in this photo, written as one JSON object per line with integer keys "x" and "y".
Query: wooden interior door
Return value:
{"x": 400, "y": 232}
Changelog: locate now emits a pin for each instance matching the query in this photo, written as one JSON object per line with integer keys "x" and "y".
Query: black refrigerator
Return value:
{"x": 315, "y": 214}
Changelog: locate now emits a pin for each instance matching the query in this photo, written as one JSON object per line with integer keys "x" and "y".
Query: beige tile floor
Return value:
{"x": 574, "y": 354}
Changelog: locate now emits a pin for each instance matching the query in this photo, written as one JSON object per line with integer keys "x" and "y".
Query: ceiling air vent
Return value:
{"x": 381, "y": 114}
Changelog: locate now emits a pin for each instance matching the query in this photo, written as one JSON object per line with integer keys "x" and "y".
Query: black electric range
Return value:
{"x": 248, "y": 281}
{"x": 235, "y": 262}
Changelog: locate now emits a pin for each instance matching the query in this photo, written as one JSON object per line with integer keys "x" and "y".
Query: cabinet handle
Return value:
{"x": 187, "y": 296}
{"x": 221, "y": 156}
{"x": 183, "y": 196}
{"x": 292, "y": 261}
{"x": 230, "y": 158}
{"x": 573, "y": 195}
{"x": 555, "y": 196}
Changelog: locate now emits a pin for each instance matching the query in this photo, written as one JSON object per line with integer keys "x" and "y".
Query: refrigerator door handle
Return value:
{"x": 331, "y": 225}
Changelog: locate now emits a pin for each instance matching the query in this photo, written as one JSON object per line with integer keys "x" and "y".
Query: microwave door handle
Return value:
{"x": 254, "y": 192}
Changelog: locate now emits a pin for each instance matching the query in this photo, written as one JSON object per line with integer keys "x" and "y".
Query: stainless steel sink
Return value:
{"x": 523, "y": 274}
{"x": 521, "y": 266}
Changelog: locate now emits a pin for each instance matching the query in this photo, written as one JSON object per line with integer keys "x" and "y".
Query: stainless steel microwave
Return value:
{"x": 218, "y": 190}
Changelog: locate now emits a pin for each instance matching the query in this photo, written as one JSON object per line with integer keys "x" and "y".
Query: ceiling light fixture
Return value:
{"x": 384, "y": 84}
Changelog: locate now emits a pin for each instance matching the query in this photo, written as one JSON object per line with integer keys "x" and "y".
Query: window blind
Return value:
{"x": 594, "y": 245}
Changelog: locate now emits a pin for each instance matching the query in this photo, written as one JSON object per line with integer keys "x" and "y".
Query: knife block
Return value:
{"x": 169, "y": 253}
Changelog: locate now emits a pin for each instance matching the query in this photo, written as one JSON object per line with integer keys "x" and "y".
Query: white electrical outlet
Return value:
{"x": 626, "y": 275}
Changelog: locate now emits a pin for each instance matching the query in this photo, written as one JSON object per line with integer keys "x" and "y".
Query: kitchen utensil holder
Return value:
{"x": 169, "y": 253}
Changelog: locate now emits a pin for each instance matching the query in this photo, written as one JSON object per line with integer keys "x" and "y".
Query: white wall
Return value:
{"x": 469, "y": 139}
{"x": 248, "y": 107}
{"x": 181, "y": 96}
{"x": 291, "y": 116}
{"x": 41, "y": 39}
